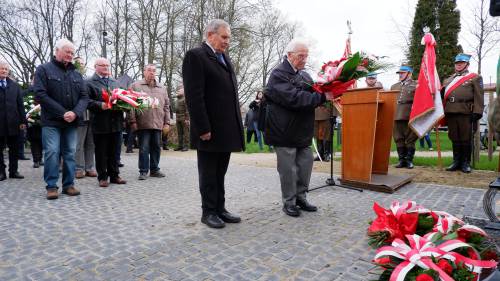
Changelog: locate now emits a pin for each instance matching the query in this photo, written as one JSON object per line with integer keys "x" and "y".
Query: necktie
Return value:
{"x": 4, "y": 84}
{"x": 105, "y": 80}
{"x": 220, "y": 58}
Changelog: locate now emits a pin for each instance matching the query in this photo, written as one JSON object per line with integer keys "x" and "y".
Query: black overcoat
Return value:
{"x": 212, "y": 100}
{"x": 12, "y": 113}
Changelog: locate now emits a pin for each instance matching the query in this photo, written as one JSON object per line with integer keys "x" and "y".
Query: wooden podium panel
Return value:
{"x": 367, "y": 123}
{"x": 383, "y": 134}
{"x": 360, "y": 106}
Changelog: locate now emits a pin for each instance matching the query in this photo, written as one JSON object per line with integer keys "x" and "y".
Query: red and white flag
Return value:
{"x": 427, "y": 108}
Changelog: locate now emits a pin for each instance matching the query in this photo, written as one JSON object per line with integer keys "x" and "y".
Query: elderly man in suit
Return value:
{"x": 12, "y": 120}
{"x": 216, "y": 128}
{"x": 290, "y": 125}
{"x": 106, "y": 124}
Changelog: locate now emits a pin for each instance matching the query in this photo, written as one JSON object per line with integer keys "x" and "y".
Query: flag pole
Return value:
{"x": 438, "y": 146}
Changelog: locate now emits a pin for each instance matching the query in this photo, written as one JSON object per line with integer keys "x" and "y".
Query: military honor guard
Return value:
{"x": 404, "y": 137}
{"x": 463, "y": 100}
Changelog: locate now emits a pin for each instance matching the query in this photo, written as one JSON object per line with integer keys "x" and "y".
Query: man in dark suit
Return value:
{"x": 210, "y": 85}
{"x": 12, "y": 120}
{"x": 106, "y": 124}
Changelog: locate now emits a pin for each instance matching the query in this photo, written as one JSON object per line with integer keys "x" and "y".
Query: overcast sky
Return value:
{"x": 375, "y": 30}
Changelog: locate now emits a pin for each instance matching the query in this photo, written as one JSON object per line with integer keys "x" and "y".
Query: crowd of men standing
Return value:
{"x": 76, "y": 126}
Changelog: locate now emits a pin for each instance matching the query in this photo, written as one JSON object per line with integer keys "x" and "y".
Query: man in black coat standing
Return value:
{"x": 106, "y": 124}
{"x": 12, "y": 120}
{"x": 216, "y": 128}
{"x": 289, "y": 126}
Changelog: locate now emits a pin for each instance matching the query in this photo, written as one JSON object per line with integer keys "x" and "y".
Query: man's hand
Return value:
{"x": 166, "y": 129}
{"x": 69, "y": 116}
{"x": 104, "y": 106}
{"x": 206, "y": 136}
{"x": 186, "y": 122}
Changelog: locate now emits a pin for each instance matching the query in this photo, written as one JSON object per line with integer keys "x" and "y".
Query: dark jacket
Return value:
{"x": 60, "y": 89}
{"x": 467, "y": 98}
{"x": 212, "y": 100}
{"x": 405, "y": 98}
{"x": 12, "y": 113}
{"x": 290, "y": 107}
{"x": 102, "y": 121}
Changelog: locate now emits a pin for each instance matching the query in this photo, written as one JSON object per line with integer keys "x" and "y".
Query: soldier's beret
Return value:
{"x": 462, "y": 57}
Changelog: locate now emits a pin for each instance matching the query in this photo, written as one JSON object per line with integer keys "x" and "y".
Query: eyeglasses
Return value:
{"x": 103, "y": 65}
{"x": 300, "y": 55}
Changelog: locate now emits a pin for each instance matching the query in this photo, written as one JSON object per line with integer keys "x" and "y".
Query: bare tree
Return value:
{"x": 485, "y": 31}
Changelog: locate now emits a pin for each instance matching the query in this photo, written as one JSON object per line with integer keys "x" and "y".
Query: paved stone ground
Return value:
{"x": 150, "y": 230}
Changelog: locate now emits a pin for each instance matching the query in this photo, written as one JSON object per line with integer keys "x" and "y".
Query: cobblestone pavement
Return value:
{"x": 151, "y": 230}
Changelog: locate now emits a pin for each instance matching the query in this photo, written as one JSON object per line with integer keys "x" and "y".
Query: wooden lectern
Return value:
{"x": 367, "y": 122}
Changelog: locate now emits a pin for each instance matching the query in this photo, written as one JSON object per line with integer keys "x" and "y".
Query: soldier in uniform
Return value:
{"x": 322, "y": 131}
{"x": 371, "y": 81}
{"x": 182, "y": 121}
{"x": 404, "y": 137}
{"x": 463, "y": 99}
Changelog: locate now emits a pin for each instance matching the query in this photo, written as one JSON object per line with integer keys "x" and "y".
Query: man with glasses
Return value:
{"x": 106, "y": 124}
{"x": 290, "y": 124}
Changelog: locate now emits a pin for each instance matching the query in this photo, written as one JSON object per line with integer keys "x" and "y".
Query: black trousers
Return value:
{"x": 35, "y": 139}
{"x": 105, "y": 155}
{"x": 13, "y": 143}
{"x": 212, "y": 167}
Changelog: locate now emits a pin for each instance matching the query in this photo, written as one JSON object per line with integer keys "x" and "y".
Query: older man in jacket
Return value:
{"x": 150, "y": 123}
{"x": 63, "y": 97}
{"x": 216, "y": 128}
{"x": 12, "y": 120}
{"x": 106, "y": 124}
{"x": 290, "y": 124}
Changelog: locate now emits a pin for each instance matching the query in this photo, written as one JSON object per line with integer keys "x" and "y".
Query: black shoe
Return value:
{"x": 120, "y": 164}
{"x": 178, "y": 148}
{"x": 466, "y": 167}
{"x": 184, "y": 149}
{"x": 229, "y": 218}
{"x": 16, "y": 175}
{"x": 3, "y": 177}
{"x": 212, "y": 221}
{"x": 454, "y": 166}
{"x": 304, "y": 205}
{"x": 166, "y": 148}
{"x": 291, "y": 210}
{"x": 36, "y": 165}
{"x": 409, "y": 164}
{"x": 129, "y": 151}
{"x": 157, "y": 174}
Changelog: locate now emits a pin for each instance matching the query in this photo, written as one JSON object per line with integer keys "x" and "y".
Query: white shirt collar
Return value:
{"x": 212, "y": 48}
{"x": 294, "y": 69}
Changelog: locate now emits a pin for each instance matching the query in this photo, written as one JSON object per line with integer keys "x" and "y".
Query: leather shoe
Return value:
{"x": 91, "y": 174}
{"x": 184, "y": 149}
{"x": 16, "y": 175}
{"x": 3, "y": 177}
{"x": 157, "y": 174}
{"x": 212, "y": 221}
{"x": 79, "y": 174}
{"x": 304, "y": 205}
{"x": 229, "y": 218}
{"x": 71, "y": 191}
{"x": 118, "y": 180}
{"x": 120, "y": 164}
{"x": 103, "y": 183}
{"x": 36, "y": 164}
{"x": 129, "y": 151}
{"x": 291, "y": 210}
{"x": 52, "y": 194}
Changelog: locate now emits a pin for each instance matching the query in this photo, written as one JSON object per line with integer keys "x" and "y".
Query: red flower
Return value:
{"x": 382, "y": 261}
{"x": 434, "y": 217}
{"x": 445, "y": 266}
{"x": 424, "y": 277}
{"x": 472, "y": 254}
{"x": 397, "y": 228}
{"x": 489, "y": 255}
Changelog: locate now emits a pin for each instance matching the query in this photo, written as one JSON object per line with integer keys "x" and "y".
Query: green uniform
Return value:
{"x": 463, "y": 107}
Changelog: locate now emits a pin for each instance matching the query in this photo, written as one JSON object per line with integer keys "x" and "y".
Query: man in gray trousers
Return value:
{"x": 290, "y": 124}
